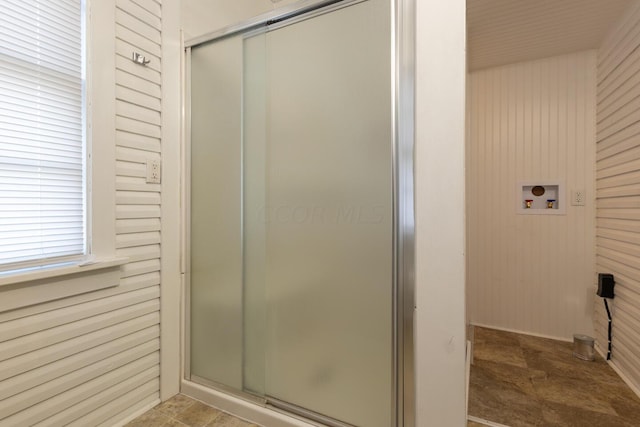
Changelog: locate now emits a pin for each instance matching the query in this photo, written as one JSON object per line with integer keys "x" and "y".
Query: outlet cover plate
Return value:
{"x": 577, "y": 197}
{"x": 153, "y": 171}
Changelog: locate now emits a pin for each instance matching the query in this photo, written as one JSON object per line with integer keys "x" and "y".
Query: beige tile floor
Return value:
{"x": 519, "y": 380}
{"x": 182, "y": 411}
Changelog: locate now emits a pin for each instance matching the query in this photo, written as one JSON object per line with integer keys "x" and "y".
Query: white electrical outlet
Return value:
{"x": 577, "y": 198}
{"x": 153, "y": 171}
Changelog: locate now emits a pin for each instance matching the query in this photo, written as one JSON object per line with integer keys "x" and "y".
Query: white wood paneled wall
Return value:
{"x": 138, "y": 139}
{"x": 93, "y": 359}
{"x": 618, "y": 190}
{"x": 531, "y": 121}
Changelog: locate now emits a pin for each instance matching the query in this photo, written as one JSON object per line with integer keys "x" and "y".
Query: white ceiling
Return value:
{"x": 506, "y": 31}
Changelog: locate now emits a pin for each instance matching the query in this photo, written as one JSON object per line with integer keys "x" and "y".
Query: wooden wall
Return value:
{"x": 531, "y": 121}
{"x": 618, "y": 190}
{"x": 93, "y": 358}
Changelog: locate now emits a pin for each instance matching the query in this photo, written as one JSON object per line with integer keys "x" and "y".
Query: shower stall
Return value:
{"x": 299, "y": 217}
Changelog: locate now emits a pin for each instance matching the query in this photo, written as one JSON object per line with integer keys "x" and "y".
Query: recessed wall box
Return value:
{"x": 540, "y": 198}
{"x": 606, "y": 283}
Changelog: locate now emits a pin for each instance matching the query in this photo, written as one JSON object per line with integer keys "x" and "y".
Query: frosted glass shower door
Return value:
{"x": 215, "y": 271}
{"x": 329, "y": 225}
{"x": 291, "y": 214}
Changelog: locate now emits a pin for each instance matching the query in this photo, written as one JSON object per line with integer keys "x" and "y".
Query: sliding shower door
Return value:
{"x": 215, "y": 273}
{"x": 292, "y": 241}
{"x": 329, "y": 268}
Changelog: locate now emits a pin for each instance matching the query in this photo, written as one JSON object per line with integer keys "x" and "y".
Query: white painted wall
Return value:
{"x": 618, "y": 187}
{"x": 531, "y": 121}
{"x": 440, "y": 229}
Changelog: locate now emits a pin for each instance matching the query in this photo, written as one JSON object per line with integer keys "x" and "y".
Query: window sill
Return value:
{"x": 12, "y": 278}
{"x": 20, "y": 289}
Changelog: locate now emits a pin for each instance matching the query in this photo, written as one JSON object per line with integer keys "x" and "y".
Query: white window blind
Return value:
{"x": 42, "y": 149}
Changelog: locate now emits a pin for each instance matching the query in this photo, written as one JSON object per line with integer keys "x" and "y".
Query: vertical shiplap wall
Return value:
{"x": 531, "y": 121}
{"x": 618, "y": 190}
{"x": 93, "y": 359}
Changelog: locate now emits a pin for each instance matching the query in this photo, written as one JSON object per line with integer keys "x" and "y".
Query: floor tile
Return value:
{"x": 559, "y": 415}
{"x": 545, "y": 345}
{"x": 553, "y": 389}
{"x": 501, "y": 353}
{"x": 493, "y": 373}
{"x": 600, "y": 372}
{"x": 174, "y": 423}
{"x": 502, "y": 401}
{"x": 626, "y": 404}
{"x": 150, "y": 418}
{"x": 175, "y": 405}
{"x": 560, "y": 364}
{"x": 198, "y": 415}
{"x": 573, "y": 393}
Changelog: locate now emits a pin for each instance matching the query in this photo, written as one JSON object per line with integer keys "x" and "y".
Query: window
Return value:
{"x": 42, "y": 132}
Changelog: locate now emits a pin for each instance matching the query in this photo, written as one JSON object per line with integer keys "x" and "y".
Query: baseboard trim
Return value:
{"x": 517, "y": 331}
